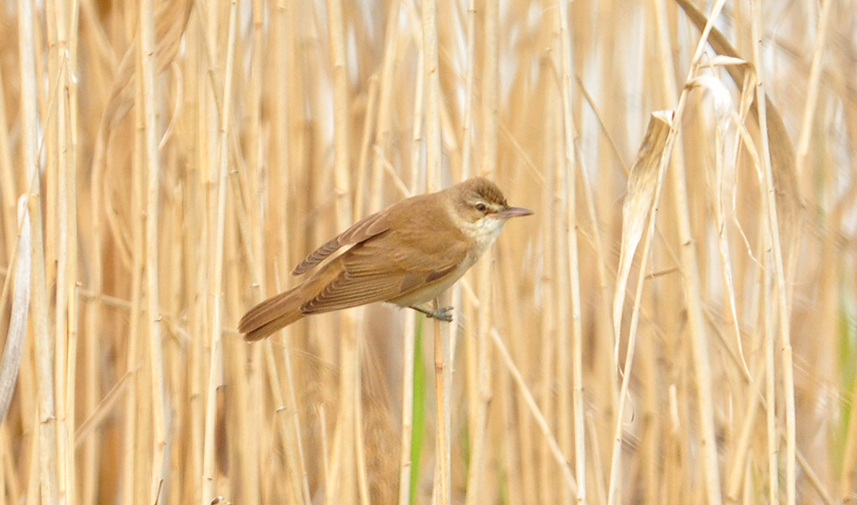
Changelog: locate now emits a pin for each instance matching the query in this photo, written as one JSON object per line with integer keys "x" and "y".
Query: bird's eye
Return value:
{"x": 481, "y": 207}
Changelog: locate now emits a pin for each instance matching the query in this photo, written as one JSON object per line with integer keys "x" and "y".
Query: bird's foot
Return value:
{"x": 442, "y": 314}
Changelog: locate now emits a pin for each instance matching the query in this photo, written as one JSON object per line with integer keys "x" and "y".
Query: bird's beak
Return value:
{"x": 511, "y": 212}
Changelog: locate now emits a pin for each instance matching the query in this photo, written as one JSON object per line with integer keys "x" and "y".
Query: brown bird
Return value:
{"x": 406, "y": 254}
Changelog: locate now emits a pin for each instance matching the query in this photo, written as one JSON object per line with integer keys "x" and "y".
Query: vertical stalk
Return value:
{"x": 570, "y": 173}
{"x": 73, "y": 322}
{"x": 490, "y": 126}
{"x": 46, "y": 439}
{"x": 216, "y": 272}
{"x": 431, "y": 79}
{"x": 148, "y": 55}
{"x": 340, "y": 488}
{"x": 778, "y": 282}
{"x": 47, "y": 429}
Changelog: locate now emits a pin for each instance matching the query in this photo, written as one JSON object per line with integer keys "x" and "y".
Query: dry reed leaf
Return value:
{"x": 789, "y": 202}
{"x": 724, "y": 111}
{"x": 724, "y": 61}
{"x": 642, "y": 186}
{"x": 20, "y": 309}
{"x": 170, "y": 21}
{"x": 720, "y": 96}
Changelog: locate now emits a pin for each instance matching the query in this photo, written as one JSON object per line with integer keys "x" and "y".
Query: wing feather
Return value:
{"x": 382, "y": 269}
{"x": 345, "y": 292}
{"x": 366, "y": 228}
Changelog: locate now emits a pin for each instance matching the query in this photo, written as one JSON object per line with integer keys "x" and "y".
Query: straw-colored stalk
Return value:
{"x": 341, "y": 478}
{"x": 775, "y": 280}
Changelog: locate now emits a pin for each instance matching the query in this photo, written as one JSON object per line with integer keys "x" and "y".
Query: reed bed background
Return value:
{"x": 675, "y": 324}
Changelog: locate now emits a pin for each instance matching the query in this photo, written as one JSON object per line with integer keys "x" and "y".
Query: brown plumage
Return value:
{"x": 406, "y": 254}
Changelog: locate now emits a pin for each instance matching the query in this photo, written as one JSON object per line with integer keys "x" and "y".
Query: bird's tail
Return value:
{"x": 271, "y": 315}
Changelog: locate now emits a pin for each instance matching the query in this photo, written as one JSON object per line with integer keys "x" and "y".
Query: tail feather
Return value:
{"x": 271, "y": 315}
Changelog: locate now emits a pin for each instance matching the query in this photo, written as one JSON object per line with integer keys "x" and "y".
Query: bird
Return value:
{"x": 407, "y": 255}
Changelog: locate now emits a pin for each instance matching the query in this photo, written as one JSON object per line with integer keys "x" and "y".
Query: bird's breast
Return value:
{"x": 483, "y": 233}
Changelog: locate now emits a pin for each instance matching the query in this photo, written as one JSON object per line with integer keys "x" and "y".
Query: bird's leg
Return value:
{"x": 442, "y": 313}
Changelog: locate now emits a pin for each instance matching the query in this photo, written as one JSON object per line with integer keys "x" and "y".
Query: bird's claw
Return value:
{"x": 443, "y": 314}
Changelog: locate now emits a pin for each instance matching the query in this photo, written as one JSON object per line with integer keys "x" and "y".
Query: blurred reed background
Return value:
{"x": 191, "y": 153}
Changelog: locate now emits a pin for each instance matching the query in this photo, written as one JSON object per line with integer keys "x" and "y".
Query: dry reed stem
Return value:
{"x": 810, "y": 111}
{"x": 59, "y": 172}
{"x": 341, "y": 483}
{"x": 469, "y": 87}
{"x": 690, "y": 267}
{"x": 153, "y": 171}
{"x": 219, "y": 218}
{"x": 433, "y": 142}
{"x": 7, "y": 190}
{"x": 71, "y": 17}
{"x": 46, "y": 428}
{"x": 46, "y": 439}
{"x": 441, "y": 353}
{"x": 285, "y": 116}
{"x": 691, "y": 272}
{"x": 91, "y": 327}
{"x": 405, "y": 463}
{"x": 488, "y": 144}
{"x": 14, "y": 347}
{"x": 778, "y": 276}
{"x": 576, "y": 336}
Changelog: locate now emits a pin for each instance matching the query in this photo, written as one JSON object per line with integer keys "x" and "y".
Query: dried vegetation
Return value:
{"x": 676, "y": 324}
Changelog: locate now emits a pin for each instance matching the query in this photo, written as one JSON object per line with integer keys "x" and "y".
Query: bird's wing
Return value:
{"x": 382, "y": 269}
{"x": 366, "y": 228}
